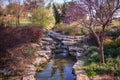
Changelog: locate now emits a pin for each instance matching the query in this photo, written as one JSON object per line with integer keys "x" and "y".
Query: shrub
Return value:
{"x": 112, "y": 59}
{"x": 111, "y": 67}
{"x": 108, "y": 42}
{"x": 67, "y": 29}
{"x": 92, "y": 55}
{"x": 42, "y": 17}
{"x": 117, "y": 41}
{"x": 113, "y": 34}
{"x": 111, "y": 52}
{"x": 90, "y": 51}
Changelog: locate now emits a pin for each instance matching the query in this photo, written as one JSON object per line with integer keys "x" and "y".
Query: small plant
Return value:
{"x": 112, "y": 52}
{"x": 117, "y": 41}
{"x": 107, "y": 42}
{"x": 90, "y": 72}
{"x": 91, "y": 50}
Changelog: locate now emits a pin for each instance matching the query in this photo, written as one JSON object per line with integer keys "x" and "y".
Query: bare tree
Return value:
{"x": 17, "y": 7}
{"x": 34, "y": 4}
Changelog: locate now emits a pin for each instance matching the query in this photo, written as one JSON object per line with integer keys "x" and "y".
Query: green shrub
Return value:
{"x": 111, "y": 52}
{"x": 91, "y": 50}
{"x": 112, "y": 66}
{"x": 117, "y": 72}
{"x": 117, "y": 41}
{"x": 113, "y": 34}
{"x": 92, "y": 55}
{"x": 67, "y": 29}
{"x": 42, "y": 17}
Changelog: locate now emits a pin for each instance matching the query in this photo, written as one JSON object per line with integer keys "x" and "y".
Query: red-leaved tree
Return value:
{"x": 92, "y": 14}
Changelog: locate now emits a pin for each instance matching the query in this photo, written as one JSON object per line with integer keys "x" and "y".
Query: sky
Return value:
{"x": 62, "y": 1}
{"x": 47, "y": 1}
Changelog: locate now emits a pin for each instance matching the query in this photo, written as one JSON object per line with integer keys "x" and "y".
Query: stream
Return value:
{"x": 58, "y": 68}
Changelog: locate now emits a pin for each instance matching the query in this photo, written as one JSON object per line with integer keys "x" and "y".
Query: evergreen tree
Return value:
{"x": 56, "y": 14}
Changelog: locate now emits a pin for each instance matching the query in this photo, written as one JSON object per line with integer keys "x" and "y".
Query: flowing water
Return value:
{"x": 59, "y": 68}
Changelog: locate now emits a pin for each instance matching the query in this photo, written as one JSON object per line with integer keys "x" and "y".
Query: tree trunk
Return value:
{"x": 101, "y": 51}
{"x": 18, "y": 19}
{"x": 101, "y": 46}
{"x": 100, "y": 41}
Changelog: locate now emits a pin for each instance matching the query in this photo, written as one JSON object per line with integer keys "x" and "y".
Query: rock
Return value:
{"x": 43, "y": 52}
{"x": 68, "y": 43}
{"x": 44, "y": 43}
{"x": 76, "y": 49}
{"x": 6, "y": 72}
{"x": 78, "y": 64}
{"x": 47, "y": 39}
{"x": 28, "y": 77}
{"x": 37, "y": 61}
{"x": 81, "y": 77}
{"x": 79, "y": 72}
{"x": 71, "y": 37}
{"x": 103, "y": 77}
{"x": 78, "y": 37}
{"x": 85, "y": 39}
{"x": 58, "y": 51}
{"x": 31, "y": 69}
{"x": 85, "y": 47}
{"x": 34, "y": 45}
{"x": 57, "y": 36}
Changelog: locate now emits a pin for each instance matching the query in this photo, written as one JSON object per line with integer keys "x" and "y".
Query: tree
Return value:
{"x": 99, "y": 13}
{"x": 42, "y": 17}
{"x": 34, "y": 4}
{"x": 16, "y": 8}
{"x": 1, "y": 3}
{"x": 56, "y": 14}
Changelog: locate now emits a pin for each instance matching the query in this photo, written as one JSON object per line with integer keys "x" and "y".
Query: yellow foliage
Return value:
{"x": 108, "y": 41}
{"x": 113, "y": 44}
{"x": 117, "y": 41}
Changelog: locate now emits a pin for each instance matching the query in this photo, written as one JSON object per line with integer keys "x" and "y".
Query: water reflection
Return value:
{"x": 57, "y": 69}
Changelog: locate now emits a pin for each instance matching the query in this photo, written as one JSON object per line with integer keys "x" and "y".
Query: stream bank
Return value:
{"x": 60, "y": 54}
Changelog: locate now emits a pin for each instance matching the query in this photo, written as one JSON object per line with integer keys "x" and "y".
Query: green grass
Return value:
{"x": 22, "y": 23}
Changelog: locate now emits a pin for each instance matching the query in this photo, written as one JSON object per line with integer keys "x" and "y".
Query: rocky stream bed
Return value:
{"x": 61, "y": 53}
